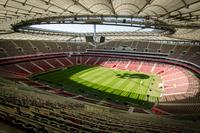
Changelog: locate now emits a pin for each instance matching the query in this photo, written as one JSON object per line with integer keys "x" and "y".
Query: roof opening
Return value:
{"x": 88, "y": 28}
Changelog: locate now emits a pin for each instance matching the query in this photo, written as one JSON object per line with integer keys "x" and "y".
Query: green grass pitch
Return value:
{"x": 101, "y": 82}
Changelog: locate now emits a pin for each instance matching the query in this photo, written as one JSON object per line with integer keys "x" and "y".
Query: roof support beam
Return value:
{"x": 179, "y": 8}
{"x": 7, "y": 13}
{"x": 47, "y": 9}
{"x": 24, "y": 2}
{"x": 183, "y": 1}
{"x": 154, "y": 13}
{"x": 51, "y": 4}
{"x": 21, "y": 9}
{"x": 33, "y": 6}
{"x": 147, "y": 3}
{"x": 78, "y": 3}
{"x": 47, "y": 3}
{"x": 112, "y": 7}
{"x": 189, "y": 18}
{"x": 5, "y": 3}
{"x": 3, "y": 16}
{"x": 179, "y": 15}
{"x": 130, "y": 4}
{"x": 160, "y": 6}
{"x": 16, "y": 12}
{"x": 30, "y": 10}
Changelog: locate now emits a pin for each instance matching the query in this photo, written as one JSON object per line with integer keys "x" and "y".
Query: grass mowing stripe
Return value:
{"x": 95, "y": 75}
{"x": 107, "y": 81}
{"x": 130, "y": 85}
{"x": 144, "y": 86}
{"x": 89, "y": 72}
{"x": 111, "y": 89}
{"x": 98, "y": 81}
{"x": 149, "y": 84}
{"x": 133, "y": 90}
{"x": 156, "y": 91}
{"x": 95, "y": 86}
{"x": 133, "y": 95}
{"x": 123, "y": 86}
{"x": 117, "y": 86}
{"x": 106, "y": 84}
{"x": 91, "y": 84}
{"x": 84, "y": 71}
{"x": 99, "y": 76}
{"x": 110, "y": 84}
{"x": 140, "y": 87}
{"x": 104, "y": 79}
{"x": 85, "y": 79}
{"x": 118, "y": 83}
{"x": 135, "y": 87}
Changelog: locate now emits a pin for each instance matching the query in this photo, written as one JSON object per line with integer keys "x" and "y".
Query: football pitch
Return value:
{"x": 105, "y": 83}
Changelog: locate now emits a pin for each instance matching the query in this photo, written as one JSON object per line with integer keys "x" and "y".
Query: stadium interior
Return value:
{"x": 142, "y": 80}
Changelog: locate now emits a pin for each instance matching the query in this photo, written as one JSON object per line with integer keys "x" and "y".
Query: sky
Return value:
{"x": 85, "y": 28}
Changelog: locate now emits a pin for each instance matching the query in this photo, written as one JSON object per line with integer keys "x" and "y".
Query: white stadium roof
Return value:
{"x": 182, "y": 15}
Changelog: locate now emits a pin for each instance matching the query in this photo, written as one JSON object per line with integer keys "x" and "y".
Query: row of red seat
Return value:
{"x": 173, "y": 84}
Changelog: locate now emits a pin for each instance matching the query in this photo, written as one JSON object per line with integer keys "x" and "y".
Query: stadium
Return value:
{"x": 84, "y": 66}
